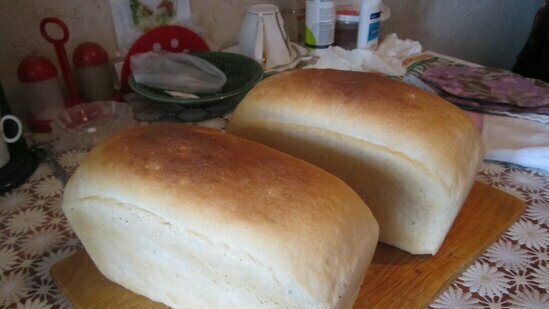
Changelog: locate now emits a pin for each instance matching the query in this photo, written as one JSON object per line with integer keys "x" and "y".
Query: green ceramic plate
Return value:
{"x": 242, "y": 74}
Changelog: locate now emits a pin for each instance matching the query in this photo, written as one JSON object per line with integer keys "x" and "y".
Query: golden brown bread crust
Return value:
{"x": 410, "y": 155}
{"x": 214, "y": 167}
{"x": 280, "y": 230}
{"x": 368, "y": 106}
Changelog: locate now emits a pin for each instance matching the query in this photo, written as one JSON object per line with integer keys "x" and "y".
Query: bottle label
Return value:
{"x": 373, "y": 31}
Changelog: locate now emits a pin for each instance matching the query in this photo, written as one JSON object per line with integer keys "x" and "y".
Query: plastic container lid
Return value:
{"x": 347, "y": 14}
{"x": 35, "y": 69}
{"x": 89, "y": 54}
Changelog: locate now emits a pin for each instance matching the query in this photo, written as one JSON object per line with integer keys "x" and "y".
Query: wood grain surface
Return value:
{"x": 395, "y": 279}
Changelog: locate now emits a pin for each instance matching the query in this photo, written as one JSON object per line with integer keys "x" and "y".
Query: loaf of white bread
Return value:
{"x": 196, "y": 218}
{"x": 409, "y": 154}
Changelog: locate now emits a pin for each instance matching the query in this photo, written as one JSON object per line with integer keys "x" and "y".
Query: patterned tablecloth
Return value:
{"x": 34, "y": 235}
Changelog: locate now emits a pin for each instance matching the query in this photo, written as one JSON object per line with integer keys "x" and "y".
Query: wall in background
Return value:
{"x": 489, "y": 32}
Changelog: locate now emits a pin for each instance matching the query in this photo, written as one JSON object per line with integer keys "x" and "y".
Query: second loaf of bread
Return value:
{"x": 410, "y": 155}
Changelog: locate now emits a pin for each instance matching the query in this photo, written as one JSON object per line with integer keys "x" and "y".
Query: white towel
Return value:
{"x": 520, "y": 141}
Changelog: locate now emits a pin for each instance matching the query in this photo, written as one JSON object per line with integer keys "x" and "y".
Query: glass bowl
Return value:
{"x": 86, "y": 124}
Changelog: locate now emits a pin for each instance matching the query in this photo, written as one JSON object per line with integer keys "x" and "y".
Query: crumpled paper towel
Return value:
{"x": 387, "y": 59}
{"x": 520, "y": 141}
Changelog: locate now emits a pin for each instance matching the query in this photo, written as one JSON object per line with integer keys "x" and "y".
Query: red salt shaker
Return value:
{"x": 43, "y": 92}
{"x": 93, "y": 75}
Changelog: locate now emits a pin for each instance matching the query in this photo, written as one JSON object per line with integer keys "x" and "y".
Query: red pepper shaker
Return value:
{"x": 43, "y": 92}
{"x": 93, "y": 75}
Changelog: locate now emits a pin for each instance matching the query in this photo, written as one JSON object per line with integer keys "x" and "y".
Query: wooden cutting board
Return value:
{"x": 395, "y": 279}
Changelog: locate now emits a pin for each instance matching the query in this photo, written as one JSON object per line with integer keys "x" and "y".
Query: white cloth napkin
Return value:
{"x": 387, "y": 59}
{"x": 515, "y": 140}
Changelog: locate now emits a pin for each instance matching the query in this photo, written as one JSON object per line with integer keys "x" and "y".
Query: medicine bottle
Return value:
{"x": 319, "y": 23}
{"x": 368, "y": 27}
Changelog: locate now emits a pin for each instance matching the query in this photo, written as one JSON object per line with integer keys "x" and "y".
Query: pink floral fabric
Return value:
{"x": 490, "y": 85}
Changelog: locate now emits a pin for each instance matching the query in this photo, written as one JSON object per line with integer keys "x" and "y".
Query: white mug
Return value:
{"x": 4, "y": 151}
{"x": 263, "y": 38}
